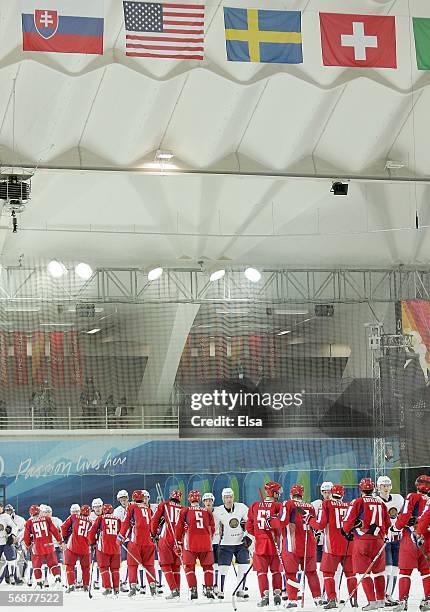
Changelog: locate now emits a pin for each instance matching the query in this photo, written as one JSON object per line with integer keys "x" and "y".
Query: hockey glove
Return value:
{"x": 412, "y": 521}
{"x": 177, "y": 549}
{"x": 120, "y": 538}
{"x": 247, "y": 541}
{"x": 358, "y": 523}
{"x": 155, "y": 538}
{"x": 418, "y": 540}
{"x": 349, "y": 536}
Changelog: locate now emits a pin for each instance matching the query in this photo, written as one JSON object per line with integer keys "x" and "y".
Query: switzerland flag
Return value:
{"x": 365, "y": 41}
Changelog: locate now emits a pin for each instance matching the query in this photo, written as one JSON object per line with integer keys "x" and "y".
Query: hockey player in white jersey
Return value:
{"x": 394, "y": 503}
{"x": 20, "y": 525}
{"x": 325, "y": 490}
{"x": 8, "y": 533}
{"x": 230, "y": 519}
{"x": 97, "y": 510}
{"x": 208, "y": 500}
{"x": 120, "y": 512}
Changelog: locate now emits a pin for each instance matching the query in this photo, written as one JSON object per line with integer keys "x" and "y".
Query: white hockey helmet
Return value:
{"x": 43, "y": 508}
{"x": 326, "y": 486}
{"x": 384, "y": 480}
{"x": 97, "y": 503}
{"x": 208, "y": 496}
{"x": 75, "y": 509}
{"x": 146, "y": 494}
{"x": 122, "y": 493}
{"x": 227, "y": 491}
{"x": 48, "y": 510}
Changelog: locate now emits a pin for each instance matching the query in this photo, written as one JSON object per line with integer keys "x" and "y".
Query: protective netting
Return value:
{"x": 78, "y": 354}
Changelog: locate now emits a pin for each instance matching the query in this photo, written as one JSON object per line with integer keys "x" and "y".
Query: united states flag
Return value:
{"x": 173, "y": 31}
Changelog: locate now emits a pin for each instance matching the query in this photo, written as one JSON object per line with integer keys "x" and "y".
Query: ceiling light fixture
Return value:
{"x": 23, "y": 309}
{"x": 162, "y": 155}
{"x": 93, "y": 331}
{"x": 217, "y": 275}
{"x": 56, "y": 269}
{"x": 286, "y": 331}
{"x": 84, "y": 271}
{"x": 154, "y": 274}
{"x": 253, "y": 275}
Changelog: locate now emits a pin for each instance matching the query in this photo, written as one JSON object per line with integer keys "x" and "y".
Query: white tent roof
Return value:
{"x": 221, "y": 119}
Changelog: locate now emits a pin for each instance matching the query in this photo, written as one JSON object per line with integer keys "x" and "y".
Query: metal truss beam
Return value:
{"x": 283, "y": 286}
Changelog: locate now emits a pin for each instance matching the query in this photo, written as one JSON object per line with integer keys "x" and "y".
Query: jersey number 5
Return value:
{"x": 262, "y": 515}
{"x": 199, "y": 520}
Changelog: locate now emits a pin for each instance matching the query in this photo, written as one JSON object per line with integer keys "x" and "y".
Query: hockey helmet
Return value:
{"x": 122, "y": 493}
{"x": 384, "y": 480}
{"x": 422, "y": 483}
{"x": 207, "y": 496}
{"x": 85, "y": 510}
{"x": 227, "y": 492}
{"x": 34, "y": 510}
{"x": 176, "y": 495}
{"x": 107, "y": 509}
{"x": 75, "y": 509}
{"x": 326, "y": 486}
{"x": 96, "y": 503}
{"x": 194, "y": 496}
{"x": 272, "y": 487}
{"x": 298, "y": 490}
{"x": 337, "y": 491}
{"x": 366, "y": 485}
{"x": 9, "y": 509}
{"x": 137, "y": 496}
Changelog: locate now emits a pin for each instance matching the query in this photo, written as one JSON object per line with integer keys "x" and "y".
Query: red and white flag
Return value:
{"x": 365, "y": 41}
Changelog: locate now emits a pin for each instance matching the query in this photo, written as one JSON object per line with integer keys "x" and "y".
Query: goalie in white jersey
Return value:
{"x": 230, "y": 519}
{"x": 394, "y": 503}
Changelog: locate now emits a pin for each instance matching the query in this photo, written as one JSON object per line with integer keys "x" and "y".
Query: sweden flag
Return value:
{"x": 262, "y": 36}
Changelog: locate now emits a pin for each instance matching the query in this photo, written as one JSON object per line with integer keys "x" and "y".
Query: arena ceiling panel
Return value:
{"x": 91, "y": 125}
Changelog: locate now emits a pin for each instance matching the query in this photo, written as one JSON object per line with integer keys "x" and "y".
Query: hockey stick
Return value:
{"x": 138, "y": 562}
{"x": 343, "y": 564}
{"x": 242, "y": 581}
{"x": 422, "y": 551}
{"x": 90, "y": 594}
{"x": 306, "y": 527}
{"x": 278, "y": 552}
{"x": 366, "y": 573}
{"x": 160, "y": 494}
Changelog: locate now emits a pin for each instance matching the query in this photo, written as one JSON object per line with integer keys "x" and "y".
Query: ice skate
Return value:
{"x": 402, "y": 605}
{"x": 318, "y": 601}
{"x": 353, "y": 602}
{"x": 116, "y": 592}
{"x": 173, "y": 596}
{"x": 46, "y": 583}
{"x": 133, "y": 590}
{"x": 242, "y": 595}
{"x": 220, "y": 595}
{"x": 123, "y": 587}
{"x": 425, "y": 604}
{"x": 390, "y": 602}
{"x": 39, "y": 584}
{"x": 153, "y": 589}
{"x": 264, "y": 601}
{"x": 70, "y": 588}
{"x": 142, "y": 590}
{"x": 107, "y": 592}
{"x": 208, "y": 592}
{"x": 86, "y": 588}
{"x": 277, "y": 600}
{"x": 331, "y": 604}
{"x": 12, "y": 580}
{"x": 372, "y": 605}
{"x": 193, "y": 593}
{"x": 96, "y": 585}
{"x": 291, "y": 604}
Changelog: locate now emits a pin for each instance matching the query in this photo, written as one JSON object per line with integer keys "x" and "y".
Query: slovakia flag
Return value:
{"x": 63, "y": 26}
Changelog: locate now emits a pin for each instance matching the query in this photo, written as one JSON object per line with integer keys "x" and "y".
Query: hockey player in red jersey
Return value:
{"x": 410, "y": 556}
{"x": 39, "y": 533}
{"x": 336, "y": 549}
{"x": 423, "y": 542}
{"x": 141, "y": 548}
{"x": 166, "y": 517}
{"x": 368, "y": 518}
{"x": 104, "y": 533}
{"x": 298, "y": 541}
{"x": 195, "y": 528}
{"x": 265, "y": 556}
{"x": 75, "y": 531}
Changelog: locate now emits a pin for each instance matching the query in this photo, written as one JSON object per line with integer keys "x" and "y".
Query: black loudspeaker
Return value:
{"x": 324, "y": 310}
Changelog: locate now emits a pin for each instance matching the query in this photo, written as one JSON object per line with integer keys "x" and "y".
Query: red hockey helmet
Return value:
{"x": 337, "y": 491}
{"x": 422, "y": 483}
{"x": 366, "y": 485}
{"x": 272, "y": 487}
{"x": 85, "y": 510}
{"x": 176, "y": 494}
{"x": 298, "y": 490}
{"x": 107, "y": 509}
{"x": 34, "y": 510}
{"x": 137, "y": 496}
{"x": 194, "y": 496}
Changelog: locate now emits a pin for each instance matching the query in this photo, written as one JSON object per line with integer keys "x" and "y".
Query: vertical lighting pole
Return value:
{"x": 375, "y": 345}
